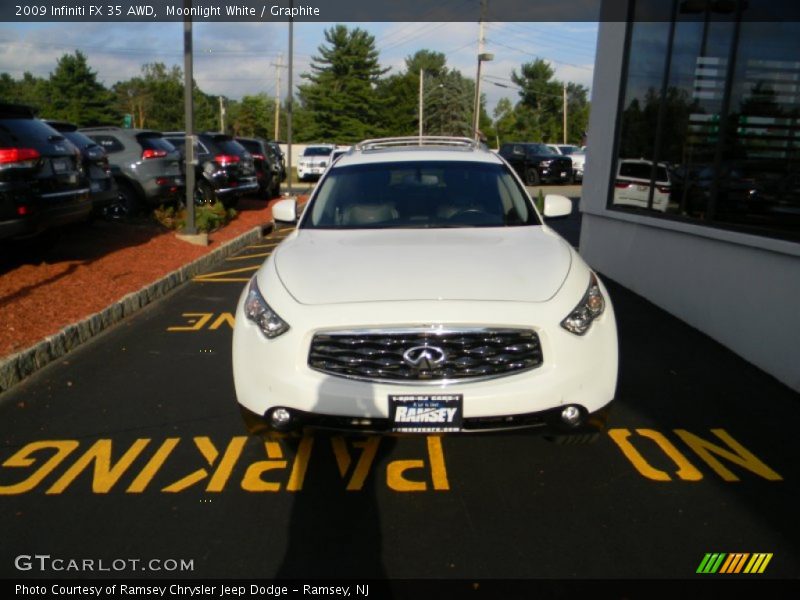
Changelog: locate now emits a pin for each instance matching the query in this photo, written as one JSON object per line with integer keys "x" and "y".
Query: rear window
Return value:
{"x": 30, "y": 132}
{"x": 154, "y": 141}
{"x": 251, "y": 146}
{"x": 81, "y": 140}
{"x": 227, "y": 145}
{"x": 108, "y": 142}
{"x": 419, "y": 194}
{"x": 642, "y": 170}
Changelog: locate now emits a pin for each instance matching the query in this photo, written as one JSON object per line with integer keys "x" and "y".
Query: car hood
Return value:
{"x": 525, "y": 264}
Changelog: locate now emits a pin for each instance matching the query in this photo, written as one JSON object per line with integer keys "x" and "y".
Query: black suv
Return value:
{"x": 536, "y": 163}
{"x": 280, "y": 159}
{"x": 268, "y": 169}
{"x": 146, "y": 166}
{"x": 224, "y": 169}
{"x": 102, "y": 187}
{"x": 42, "y": 183}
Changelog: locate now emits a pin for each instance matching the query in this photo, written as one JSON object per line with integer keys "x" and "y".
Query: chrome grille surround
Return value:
{"x": 471, "y": 354}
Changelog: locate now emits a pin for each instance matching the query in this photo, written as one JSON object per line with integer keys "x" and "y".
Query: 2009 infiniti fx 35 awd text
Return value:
{"x": 422, "y": 292}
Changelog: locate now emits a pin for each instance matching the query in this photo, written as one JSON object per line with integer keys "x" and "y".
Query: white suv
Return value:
{"x": 314, "y": 161}
{"x": 422, "y": 292}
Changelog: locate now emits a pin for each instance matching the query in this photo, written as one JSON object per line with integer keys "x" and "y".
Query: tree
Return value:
{"x": 76, "y": 95}
{"x": 341, "y": 93}
{"x": 253, "y": 116}
{"x": 504, "y": 120}
{"x": 156, "y": 100}
{"x": 29, "y": 90}
{"x": 449, "y": 107}
{"x": 540, "y": 110}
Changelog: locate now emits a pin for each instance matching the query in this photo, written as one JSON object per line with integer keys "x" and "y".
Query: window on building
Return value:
{"x": 711, "y": 108}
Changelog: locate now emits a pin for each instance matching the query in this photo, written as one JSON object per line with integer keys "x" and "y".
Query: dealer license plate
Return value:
{"x": 60, "y": 165}
{"x": 426, "y": 413}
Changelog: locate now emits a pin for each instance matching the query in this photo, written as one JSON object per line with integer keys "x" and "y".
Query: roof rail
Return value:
{"x": 416, "y": 140}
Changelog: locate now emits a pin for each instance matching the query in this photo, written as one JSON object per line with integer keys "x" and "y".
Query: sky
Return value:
{"x": 236, "y": 59}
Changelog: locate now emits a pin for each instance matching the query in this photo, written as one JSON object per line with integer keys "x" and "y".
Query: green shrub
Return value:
{"x": 207, "y": 218}
{"x": 540, "y": 202}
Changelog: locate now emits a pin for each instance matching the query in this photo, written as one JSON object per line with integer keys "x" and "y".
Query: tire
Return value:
{"x": 127, "y": 204}
{"x": 274, "y": 190}
{"x": 204, "y": 194}
{"x": 532, "y": 176}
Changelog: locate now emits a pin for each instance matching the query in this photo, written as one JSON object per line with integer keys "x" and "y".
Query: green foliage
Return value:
{"x": 341, "y": 94}
{"x": 76, "y": 96}
{"x": 538, "y": 116}
{"x": 540, "y": 202}
{"x": 449, "y": 105}
{"x": 207, "y": 218}
{"x": 253, "y": 116}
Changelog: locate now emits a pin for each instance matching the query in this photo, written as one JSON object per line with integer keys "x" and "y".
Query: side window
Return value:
{"x": 108, "y": 142}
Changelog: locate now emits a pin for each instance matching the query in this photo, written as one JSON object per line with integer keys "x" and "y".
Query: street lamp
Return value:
{"x": 482, "y": 57}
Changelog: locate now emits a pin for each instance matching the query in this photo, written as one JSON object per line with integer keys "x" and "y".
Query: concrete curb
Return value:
{"x": 16, "y": 367}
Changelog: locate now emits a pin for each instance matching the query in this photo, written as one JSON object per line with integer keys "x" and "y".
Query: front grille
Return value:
{"x": 454, "y": 354}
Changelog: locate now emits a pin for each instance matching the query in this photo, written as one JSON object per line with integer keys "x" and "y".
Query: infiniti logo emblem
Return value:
{"x": 424, "y": 358}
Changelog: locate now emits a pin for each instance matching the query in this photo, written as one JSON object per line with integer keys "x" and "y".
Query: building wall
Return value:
{"x": 739, "y": 289}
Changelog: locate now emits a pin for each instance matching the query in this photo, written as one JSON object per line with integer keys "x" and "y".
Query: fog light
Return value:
{"x": 280, "y": 418}
{"x": 571, "y": 415}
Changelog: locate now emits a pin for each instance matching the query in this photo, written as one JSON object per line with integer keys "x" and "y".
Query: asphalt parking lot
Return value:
{"x": 132, "y": 447}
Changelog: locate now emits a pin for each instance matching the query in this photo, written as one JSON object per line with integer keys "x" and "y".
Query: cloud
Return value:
{"x": 235, "y": 59}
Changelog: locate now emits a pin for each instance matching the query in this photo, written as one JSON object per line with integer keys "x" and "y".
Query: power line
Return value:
{"x": 560, "y": 62}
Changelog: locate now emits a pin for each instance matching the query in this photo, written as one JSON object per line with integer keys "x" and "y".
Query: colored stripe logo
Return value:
{"x": 734, "y": 563}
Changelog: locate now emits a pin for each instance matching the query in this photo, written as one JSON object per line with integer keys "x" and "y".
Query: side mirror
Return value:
{"x": 556, "y": 205}
{"x": 285, "y": 210}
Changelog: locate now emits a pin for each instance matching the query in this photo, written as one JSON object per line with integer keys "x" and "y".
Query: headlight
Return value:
{"x": 545, "y": 163}
{"x": 259, "y": 312}
{"x": 588, "y": 309}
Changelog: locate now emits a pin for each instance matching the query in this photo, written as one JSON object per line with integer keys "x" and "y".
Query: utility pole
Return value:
{"x": 421, "y": 110}
{"x": 278, "y": 68}
{"x": 482, "y": 56}
{"x": 221, "y": 115}
{"x": 188, "y": 116}
{"x": 289, "y": 99}
{"x": 565, "y": 111}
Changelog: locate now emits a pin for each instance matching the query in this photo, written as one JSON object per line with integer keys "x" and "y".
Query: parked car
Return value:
{"x": 267, "y": 171}
{"x": 422, "y": 292}
{"x": 42, "y": 183}
{"x": 224, "y": 169}
{"x": 576, "y": 154}
{"x": 337, "y": 153}
{"x": 103, "y": 189}
{"x": 280, "y": 160}
{"x": 632, "y": 184}
{"x": 314, "y": 161}
{"x": 536, "y": 163}
{"x": 147, "y": 168}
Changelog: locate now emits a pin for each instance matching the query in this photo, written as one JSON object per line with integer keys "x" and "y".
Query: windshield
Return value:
{"x": 430, "y": 194}
{"x": 317, "y": 151}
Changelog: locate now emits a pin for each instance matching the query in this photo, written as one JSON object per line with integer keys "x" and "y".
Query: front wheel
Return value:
{"x": 532, "y": 176}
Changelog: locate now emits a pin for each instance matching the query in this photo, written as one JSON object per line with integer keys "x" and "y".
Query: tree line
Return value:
{"x": 346, "y": 96}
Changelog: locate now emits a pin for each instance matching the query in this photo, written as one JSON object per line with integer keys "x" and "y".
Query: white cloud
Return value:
{"x": 234, "y": 59}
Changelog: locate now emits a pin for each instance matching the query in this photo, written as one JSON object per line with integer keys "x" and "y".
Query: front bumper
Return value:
{"x": 578, "y": 371}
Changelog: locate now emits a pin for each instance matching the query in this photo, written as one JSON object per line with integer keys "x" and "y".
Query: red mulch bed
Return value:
{"x": 92, "y": 266}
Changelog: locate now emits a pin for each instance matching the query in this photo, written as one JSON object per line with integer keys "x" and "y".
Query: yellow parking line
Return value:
{"x": 246, "y": 256}
{"x": 219, "y": 276}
